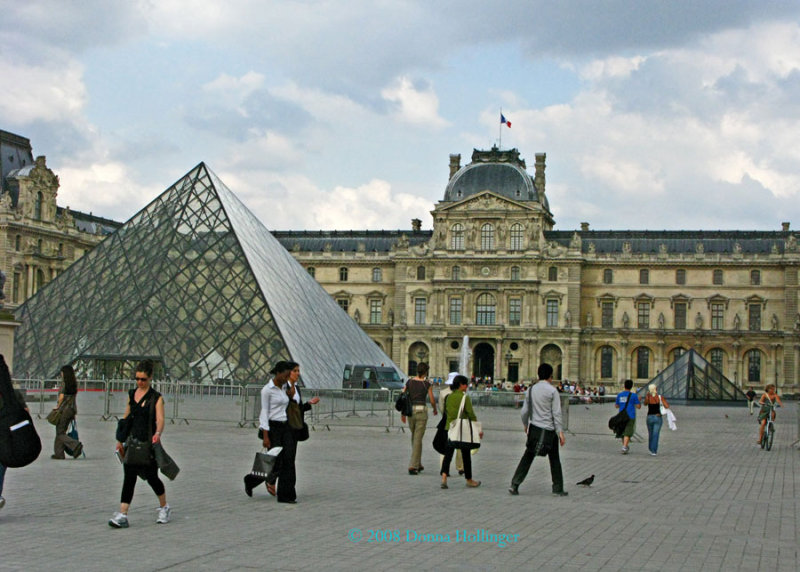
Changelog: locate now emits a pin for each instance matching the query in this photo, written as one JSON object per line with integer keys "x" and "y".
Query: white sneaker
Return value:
{"x": 163, "y": 514}
{"x": 624, "y": 450}
{"x": 2, "y": 502}
{"x": 119, "y": 520}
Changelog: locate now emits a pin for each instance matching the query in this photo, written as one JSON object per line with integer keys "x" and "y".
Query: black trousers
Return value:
{"x": 146, "y": 472}
{"x": 527, "y": 458}
{"x": 466, "y": 455}
{"x": 281, "y": 435}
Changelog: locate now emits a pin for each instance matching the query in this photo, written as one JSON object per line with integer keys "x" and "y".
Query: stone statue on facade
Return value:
{"x": 775, "y": 323}
{"x": 567, "y": 319}
{"x": 625, "y": 320}
{"x": 661, "y": 321}
{"x": 737, "y": 322}
{"x": 698, "y": 321}
{"x": 357, "y": 316}
{"x": 589, "y": 319}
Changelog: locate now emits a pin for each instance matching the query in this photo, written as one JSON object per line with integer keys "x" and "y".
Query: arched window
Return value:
{"x": 677, "y": 353}
{"x": 311, "y": 271}
{"x": 420, "y": 273}
{"x": 485, "y": 310}
{"x": 515, "y": 273}
{"x": 456, "y": 273}
{"x": 517, "y": 233}
{"x": 343, "y": 274}
{"x": 607, "y": 362}
{"x": 755, "y": 277}
{"x": 377, "y": 275}
{"x": 37, "y": 206}
{"x": 457, "y": 237}
{"x": 39, "y": 278}
{"x": 608, "y": 276}
{"x": 552, "y": 274}
{"x": 642, "y": 363}
{"x": 487, "y": 237}
{"x": 717, "y": 358}
{"x": 754, "y": 366}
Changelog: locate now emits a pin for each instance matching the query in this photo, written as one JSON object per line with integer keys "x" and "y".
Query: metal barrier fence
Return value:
{"x": 187, "y": 402}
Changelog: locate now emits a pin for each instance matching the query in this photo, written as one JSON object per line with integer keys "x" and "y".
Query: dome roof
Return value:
{"x": 501, "y": 172}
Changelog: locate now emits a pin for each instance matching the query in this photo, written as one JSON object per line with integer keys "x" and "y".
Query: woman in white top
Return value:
{"x": 275, "y": 432}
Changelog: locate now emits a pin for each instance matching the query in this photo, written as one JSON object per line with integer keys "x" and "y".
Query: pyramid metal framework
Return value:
{"x": 197, "y": 283}
{"x": 691, "y": 379}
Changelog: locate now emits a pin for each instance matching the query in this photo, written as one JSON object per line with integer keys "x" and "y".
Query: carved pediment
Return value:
{"x": 487, "y": 201}
{"x": 552, "y": 295}
{"x": 718, "y": 299}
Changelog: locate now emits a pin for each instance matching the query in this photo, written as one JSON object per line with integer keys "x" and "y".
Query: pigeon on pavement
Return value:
{"x": 586, "y": 482}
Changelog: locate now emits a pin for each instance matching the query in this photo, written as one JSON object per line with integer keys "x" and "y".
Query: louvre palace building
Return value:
{"x": 600, "y": 306}
{"x": 39, "y": 239}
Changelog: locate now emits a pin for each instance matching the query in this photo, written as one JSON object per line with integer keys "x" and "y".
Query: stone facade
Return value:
{"x": 39, "y": 239}
{"x": 601, "y": 306}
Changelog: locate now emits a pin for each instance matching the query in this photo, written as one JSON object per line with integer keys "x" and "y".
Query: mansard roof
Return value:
{"x": 348, "y": 240}
{"x": 675, "y": 241}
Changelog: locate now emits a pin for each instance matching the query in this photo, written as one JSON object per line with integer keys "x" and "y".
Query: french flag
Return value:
{"x": 504, "y": 120}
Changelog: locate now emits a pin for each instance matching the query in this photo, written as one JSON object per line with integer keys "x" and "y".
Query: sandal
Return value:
{"x": 444, "y": 486}
{"x": 271, "y": 489}
{"x": 473, "y": 484}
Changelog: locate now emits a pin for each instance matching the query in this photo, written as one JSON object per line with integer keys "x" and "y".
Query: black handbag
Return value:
{"x": 123, "y": 429}
{"x": 302, "y": 433}
{"x": 294, "y": 415}
{"x": 440, "y": 437}
{"x": 403, "y": 404}
{"x": 138, "y": 453}
{"x": 263, "y": 464}
{"x": 619, "y": 421}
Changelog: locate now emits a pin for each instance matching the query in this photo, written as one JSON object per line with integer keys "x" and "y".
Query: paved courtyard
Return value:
{"x": 711, "y": 500}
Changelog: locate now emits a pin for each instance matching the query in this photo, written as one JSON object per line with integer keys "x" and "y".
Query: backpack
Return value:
{"x": 19, "y": 443}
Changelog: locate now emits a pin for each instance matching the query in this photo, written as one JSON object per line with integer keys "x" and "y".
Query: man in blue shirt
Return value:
{"x": 630, "y": 401}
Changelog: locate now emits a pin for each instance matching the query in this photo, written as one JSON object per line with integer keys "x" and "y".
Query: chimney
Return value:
{"x": 416, "y": 224}
{"x": 584, "y": 227}
{"x": 785, "y": 226}
{"x": 538, "y": 178}
{"x": 455, "y": 164}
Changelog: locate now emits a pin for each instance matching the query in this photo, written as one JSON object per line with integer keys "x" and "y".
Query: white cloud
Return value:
{"x": 414, "y": 105}
{"x": 41, "y": 93}
{"x": 113, "y": 190}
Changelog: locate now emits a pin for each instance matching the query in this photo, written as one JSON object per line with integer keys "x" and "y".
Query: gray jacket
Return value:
{"x": 542, "y": 407}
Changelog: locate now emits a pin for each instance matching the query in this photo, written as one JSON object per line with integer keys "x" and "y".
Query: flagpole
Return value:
{"x": 500, "y": 132}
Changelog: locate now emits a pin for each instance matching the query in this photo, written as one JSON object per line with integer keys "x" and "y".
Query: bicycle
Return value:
{"x": 769, "y": 429}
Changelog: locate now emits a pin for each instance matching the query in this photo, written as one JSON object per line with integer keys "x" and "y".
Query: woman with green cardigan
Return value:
{"x": 453, "y": 404}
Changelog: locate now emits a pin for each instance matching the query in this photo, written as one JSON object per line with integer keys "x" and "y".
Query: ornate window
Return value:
{"x": 456, "y": 273}
{"x": 485, "y": 310}
{"x": 717, "y": 316}
{"x": 642, "y": 363}
{"x": 716, "y": 277}
{"x": 377, "y": 275}
{"x": 644, "y": 276}
{"x": 717, "y": 358}
{"x": 754, "y": 365}
{"x": 754, "y": 317}
{"x": 552, "y": 274}
{"x": 517, "y": 233}
{"x": 680, "y": 315}
{"x": 608, "y": 276}
{"x": 680, "y": 276}
{"x": 420, "y": 308}
{"x": 607, "y": 315}
{"x": 420, "y": 273}
{"x": 606, "y": 362}
{"x": 375, "y": 311}
{"x": 514, "y": 311}
{"x": 37, "y": 207}
{"x": 643, "y": 313}
{"x": 552, "y": 313}
{"x": 457, "y": 237}
{"x": 755, "y": 277}
{"x": 343, "y": 274}
{"x": 455, "y": 310}
{"x": 487, "y": 237}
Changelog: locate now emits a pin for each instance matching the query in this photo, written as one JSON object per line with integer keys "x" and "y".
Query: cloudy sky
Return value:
{"x": 342, "y": 115}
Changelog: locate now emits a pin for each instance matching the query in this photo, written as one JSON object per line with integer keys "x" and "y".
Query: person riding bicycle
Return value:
{"x": 773, "y": 398}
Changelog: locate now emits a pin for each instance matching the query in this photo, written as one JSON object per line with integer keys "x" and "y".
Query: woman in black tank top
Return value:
{"x": 654, "y": 402}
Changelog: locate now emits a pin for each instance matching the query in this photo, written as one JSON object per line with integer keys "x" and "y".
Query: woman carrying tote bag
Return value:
{"x": 459, "y": 407}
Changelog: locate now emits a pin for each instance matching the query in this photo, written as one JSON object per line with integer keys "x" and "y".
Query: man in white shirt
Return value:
{"x": 541, "y": 416}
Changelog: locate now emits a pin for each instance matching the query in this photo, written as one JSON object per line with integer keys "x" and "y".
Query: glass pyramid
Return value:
{"x": 195, "y": 282}
{"x": 691, "y": 379}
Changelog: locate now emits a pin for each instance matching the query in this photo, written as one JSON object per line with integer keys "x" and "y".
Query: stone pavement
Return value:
{"x": 711, "y": 500}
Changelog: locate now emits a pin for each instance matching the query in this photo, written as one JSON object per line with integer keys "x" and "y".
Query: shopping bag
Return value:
{"x": 265, "y": 462}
